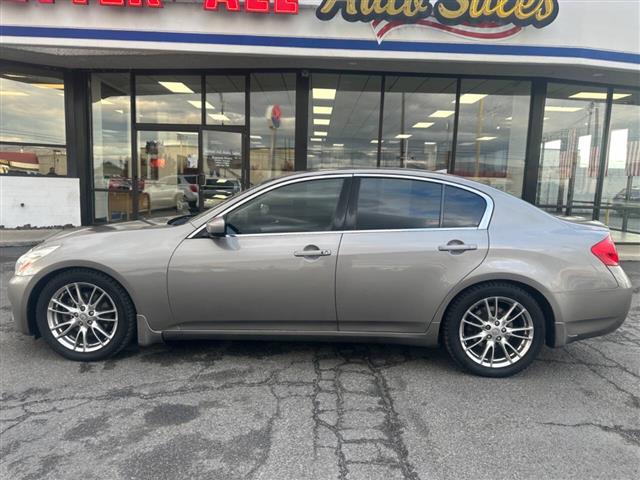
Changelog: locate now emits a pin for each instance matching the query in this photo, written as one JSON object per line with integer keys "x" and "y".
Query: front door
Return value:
{"x": 275, "y": 269}
{"x": 412, "y": 242}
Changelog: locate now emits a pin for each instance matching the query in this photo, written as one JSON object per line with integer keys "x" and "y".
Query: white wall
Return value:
{"x": 39, "y": 201}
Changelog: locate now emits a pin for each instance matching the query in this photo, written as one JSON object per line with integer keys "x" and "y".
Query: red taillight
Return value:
{"x": 193, "y": 188}
{"x": 606, "y": 252}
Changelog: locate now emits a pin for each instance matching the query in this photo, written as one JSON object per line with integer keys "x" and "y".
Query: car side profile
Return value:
{"x": 370, "y": 255}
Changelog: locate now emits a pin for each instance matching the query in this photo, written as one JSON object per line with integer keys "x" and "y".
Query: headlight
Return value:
{"x": 25, "y": 264}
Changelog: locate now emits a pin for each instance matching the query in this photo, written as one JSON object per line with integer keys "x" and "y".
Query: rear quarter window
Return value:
{"x": 462, "y": 208}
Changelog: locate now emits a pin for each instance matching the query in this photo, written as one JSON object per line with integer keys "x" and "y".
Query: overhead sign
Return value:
{"x": 254, "y": 6}
{"x": 480, "y": 19}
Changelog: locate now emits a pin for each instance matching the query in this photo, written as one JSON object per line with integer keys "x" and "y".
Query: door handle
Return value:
{"x": 457, "y": 247}
{"x": 312, "y": 253}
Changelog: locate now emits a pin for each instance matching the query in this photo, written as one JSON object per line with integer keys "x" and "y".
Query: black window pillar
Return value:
{"x": 302, "y": 120}
{"x": 534, "y": 140}
{"x": 604, "y": 154}
{"x": 77, "y": 120}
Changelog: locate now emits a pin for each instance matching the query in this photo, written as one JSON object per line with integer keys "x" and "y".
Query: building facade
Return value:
{"x": 124, "y": 109}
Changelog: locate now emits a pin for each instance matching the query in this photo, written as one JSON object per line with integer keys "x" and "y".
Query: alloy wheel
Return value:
{"x": 496, "y": 332}
{"x": 82, "y": 317}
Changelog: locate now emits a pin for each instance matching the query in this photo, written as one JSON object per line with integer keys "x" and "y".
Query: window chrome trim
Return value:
{"x": 483, "y": 225}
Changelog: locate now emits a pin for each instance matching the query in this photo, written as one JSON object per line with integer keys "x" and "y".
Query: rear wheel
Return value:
{"x": 494, "y": 330}
{"x": 85, "y": 315}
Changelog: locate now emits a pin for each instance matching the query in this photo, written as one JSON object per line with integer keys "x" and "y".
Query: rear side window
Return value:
{"x": 390, "y": 203}
{"x": 462, "y": 208}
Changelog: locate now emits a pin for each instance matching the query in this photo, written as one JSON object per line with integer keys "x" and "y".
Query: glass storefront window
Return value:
{"x": 32, "y": 124}
{"x": 417, "y": 128}
{"x": 343, "y": 121}
{"x": 570, "y": 150}
{"x": 111, "y": 123}
{"x": 165, "y": 159}
{"x": 273, "y": 125}
{"x": 492, "y": 132}
{"x": 33, "y": 160}
{"x": 168, "y": 99}
{"x": 225, "y": 100}
{"x": 620, "y": 207}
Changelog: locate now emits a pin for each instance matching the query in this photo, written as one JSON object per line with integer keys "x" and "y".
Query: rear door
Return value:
{"x": 412, "y": 241}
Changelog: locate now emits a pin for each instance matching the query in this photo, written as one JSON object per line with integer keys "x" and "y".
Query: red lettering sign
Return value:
{"x": 231, "y": 5}
{"x": 287, "y": 6}
{"x": 256, "y": 6}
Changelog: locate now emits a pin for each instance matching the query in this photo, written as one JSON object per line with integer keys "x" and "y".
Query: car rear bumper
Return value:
{"x": 18, "y": 292}
{"x": 592, "y": 313}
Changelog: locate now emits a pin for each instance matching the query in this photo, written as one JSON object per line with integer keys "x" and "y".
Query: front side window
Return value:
{"x": 390, "y": 203}
{"x": 462, "y": 208}
{"x": 300, "y": 207}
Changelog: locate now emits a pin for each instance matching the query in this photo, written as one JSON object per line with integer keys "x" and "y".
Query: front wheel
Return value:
{"x": 494, "y": 330}
{"x": 85, "y": 315}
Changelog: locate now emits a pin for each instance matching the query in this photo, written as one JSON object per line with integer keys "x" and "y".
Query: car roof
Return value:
{"x": 407, "y": 172}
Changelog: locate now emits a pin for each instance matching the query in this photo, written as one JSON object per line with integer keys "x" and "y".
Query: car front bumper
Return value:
{"x": 18, "y": 291}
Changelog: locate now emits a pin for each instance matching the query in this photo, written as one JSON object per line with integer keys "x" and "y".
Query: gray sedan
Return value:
{"x": 375, "y": 255}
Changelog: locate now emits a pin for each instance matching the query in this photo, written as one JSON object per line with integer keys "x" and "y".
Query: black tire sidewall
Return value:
{"x": 475, "y": 294}
{"x": 124, "y": 307}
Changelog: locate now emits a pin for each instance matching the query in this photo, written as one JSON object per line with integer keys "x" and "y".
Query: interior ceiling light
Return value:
{"x": 442, "y": 113}
{"x": 257, "y": 137}
{"x": 315, "y": 139}
{"x": 221, "y": 117}
{"x": 324, "y": 93}
{"x": 319, "y": 134}
{"x": 469, "y": 98}
{"x": 403, "y": 135}
{"x": 485, "y": 139}
{"x": 423, "y": 125}
{"x": 55, "y": 86}
{"x": 552, "y": 108}
{"x": 318, "y": 110}
{"x": 338, "y": 144}
{"x": 598, "y": 95}
{"x": 198, "y": 104}
{"x": 176, "y": 87}
{"x": 321, "y": 121}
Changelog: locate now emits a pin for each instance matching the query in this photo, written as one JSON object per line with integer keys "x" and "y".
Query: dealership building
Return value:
{"x": 114, "y": 110}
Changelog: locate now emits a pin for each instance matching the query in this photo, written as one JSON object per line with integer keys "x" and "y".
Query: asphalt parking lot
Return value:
{"x": 290, "y": 410}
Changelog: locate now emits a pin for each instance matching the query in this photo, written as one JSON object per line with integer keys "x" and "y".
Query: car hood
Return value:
{"x": 156, "y": 223}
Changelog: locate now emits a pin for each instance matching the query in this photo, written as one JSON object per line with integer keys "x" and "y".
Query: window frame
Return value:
{"x": 353, "y": 204}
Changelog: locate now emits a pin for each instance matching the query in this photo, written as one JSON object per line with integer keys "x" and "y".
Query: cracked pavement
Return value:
{"x": 293, "y": 410}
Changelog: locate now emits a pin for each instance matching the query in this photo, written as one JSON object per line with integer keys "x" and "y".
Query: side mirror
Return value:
{"x": 217, "y": 227}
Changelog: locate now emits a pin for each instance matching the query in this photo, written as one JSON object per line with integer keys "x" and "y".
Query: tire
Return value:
{"x": 478, "y": 345}
{"x": 59, "y": 310}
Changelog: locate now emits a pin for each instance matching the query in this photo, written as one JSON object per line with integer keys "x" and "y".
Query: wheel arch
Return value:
{"x": 40, "y": 284}
{"x": 544, "y": 303}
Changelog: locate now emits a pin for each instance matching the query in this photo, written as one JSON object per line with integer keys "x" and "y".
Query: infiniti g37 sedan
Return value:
{"x": 376, "y": 255}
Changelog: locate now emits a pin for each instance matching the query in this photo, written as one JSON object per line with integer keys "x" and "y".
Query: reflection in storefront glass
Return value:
{"x": 620, "y": 207}
{"x": 222, "y": 153}
{"x": 168, "y": 99}
{"x": 111, "y": 122}
{"x": 417, "y": 128}
{"x": 225, "y": 100}
{"x": 167, "y": 161}
{"x": 492, "y": 132}
{"x": 32, "y": 112}
{"x": 343, "y": 121}
{"x": 273, "y": 123}
{"x": 570, "y": 150}
{"x": 33, "y": 160}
